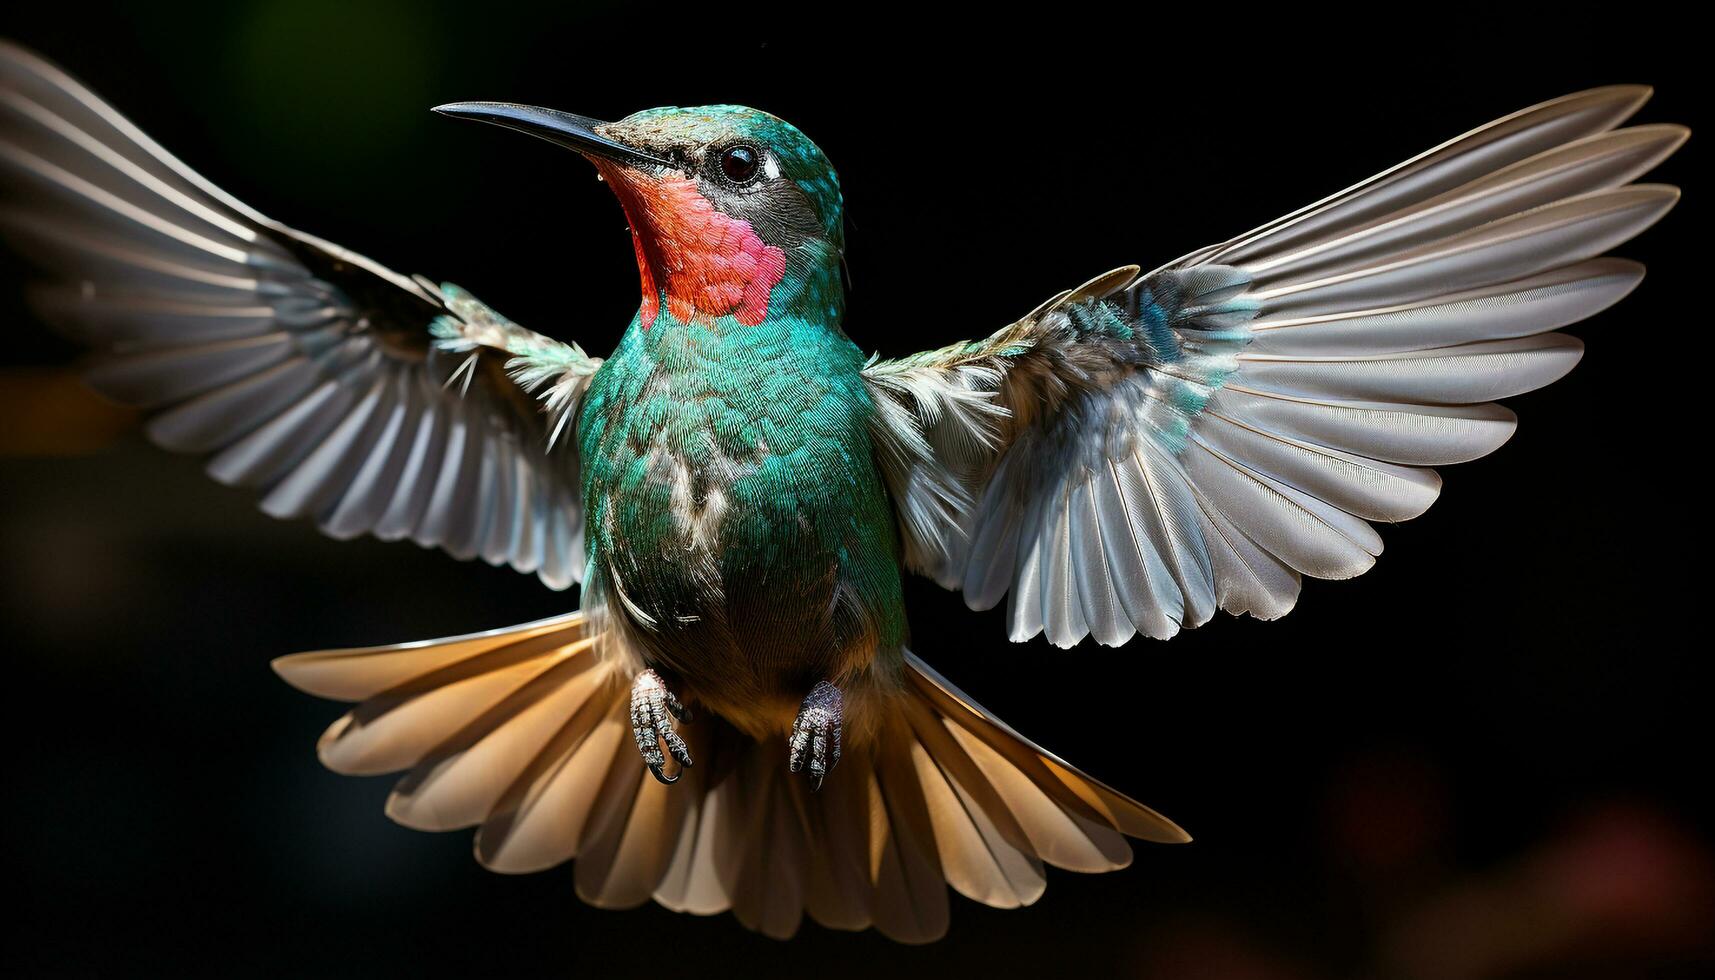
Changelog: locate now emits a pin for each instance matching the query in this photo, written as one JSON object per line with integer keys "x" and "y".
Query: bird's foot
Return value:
{"x": 653, "y": 709}
{"x": 815, "y": 738}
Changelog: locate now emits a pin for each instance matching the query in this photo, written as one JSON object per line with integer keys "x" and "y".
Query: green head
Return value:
{"x": 733, "y": 212}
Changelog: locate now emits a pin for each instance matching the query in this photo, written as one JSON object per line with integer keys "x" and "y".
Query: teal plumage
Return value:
{"x": 738, "y": 488}
{"x": 726, "y": 459}
{"x": 724, "y": 468}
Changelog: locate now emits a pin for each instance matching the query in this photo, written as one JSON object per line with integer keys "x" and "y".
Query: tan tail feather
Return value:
{"x": 362, "y": 672}
{"x": 524, "y": 734}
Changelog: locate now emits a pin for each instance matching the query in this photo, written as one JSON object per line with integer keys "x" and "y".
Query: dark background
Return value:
{"x": 1485, "y": 758}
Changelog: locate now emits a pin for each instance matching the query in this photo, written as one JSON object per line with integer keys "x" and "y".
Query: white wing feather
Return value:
{"x": 1316, "y": 366}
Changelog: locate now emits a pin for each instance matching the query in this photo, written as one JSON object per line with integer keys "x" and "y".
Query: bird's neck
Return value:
{"x": 700, "y": 264}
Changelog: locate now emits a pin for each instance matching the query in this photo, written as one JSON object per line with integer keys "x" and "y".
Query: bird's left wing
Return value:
{"x": 1144, "y": 449}
{"x": 370, "y": 401}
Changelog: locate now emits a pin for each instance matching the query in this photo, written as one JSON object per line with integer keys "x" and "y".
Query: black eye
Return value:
{"x": 739, "y": 164}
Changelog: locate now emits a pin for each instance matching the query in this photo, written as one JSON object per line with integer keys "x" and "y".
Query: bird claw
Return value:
{"x": 653, "y": 709}
{"x": 815, "y": 740}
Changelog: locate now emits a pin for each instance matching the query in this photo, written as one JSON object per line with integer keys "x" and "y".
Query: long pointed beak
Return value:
{"x": 577, "y": 132}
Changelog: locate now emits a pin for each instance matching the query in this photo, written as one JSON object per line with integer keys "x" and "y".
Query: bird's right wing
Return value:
{"x": 1145, "y": 449}
{"x": 370, "y": 401}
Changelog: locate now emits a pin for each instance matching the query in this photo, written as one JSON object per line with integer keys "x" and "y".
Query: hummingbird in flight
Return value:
{"x": 732, "y": 717}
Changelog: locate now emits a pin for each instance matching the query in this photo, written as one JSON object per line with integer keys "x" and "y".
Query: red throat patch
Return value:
{"x": 709, "y": 263}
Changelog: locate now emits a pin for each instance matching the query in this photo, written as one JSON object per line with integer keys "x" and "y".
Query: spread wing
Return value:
{"x": 372, "y": 402}
{"x": 1145, "y": 449}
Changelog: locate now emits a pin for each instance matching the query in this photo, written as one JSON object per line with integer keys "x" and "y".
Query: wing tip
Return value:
{"x": 300, "y": 671}
{"x": 1171, "y": 833}
{"x": 1673, "y": 135}
{"x": 286, "y": 668}
{"x": 1632, "y": 95}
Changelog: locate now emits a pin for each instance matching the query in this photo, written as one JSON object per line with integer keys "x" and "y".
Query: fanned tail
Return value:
{"x": 523, "y": 733}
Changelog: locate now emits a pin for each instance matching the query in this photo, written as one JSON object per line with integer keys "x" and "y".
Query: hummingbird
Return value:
{"x": 732, "y": 717}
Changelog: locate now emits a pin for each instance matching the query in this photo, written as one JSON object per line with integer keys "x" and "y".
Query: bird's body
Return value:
{"x": 739, "y": 491}
{"x": 737, "y": 515}
{"x": 740, "y": 537}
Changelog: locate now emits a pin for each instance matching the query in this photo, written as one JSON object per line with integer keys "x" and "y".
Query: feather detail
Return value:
{"x": 1204, "y": 435}
{"x": 522, "y": 733}
{"x": 329, "y": 383}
